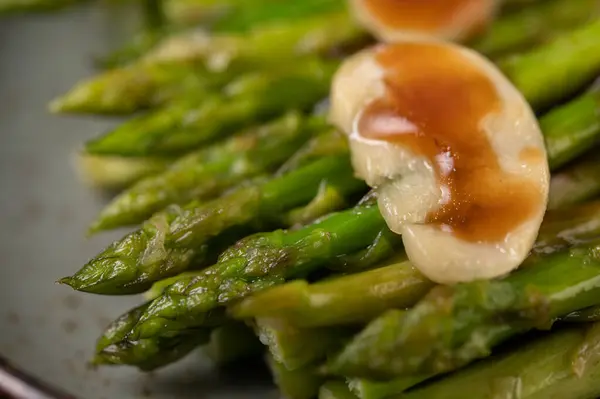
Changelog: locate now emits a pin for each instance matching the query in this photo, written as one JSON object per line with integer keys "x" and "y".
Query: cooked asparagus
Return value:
{"x": 205, "y": 173}
{"x": 577, "y": 183}
{"x": 187, "y": 124}
{"x": 454, "y": 325}
{"x": 563, "y": 364}
{"x": 169, "y": 242}
{"x": 232, "y": 342}
{"x": 335, "y": 390}
{"x": 295, "y": 384}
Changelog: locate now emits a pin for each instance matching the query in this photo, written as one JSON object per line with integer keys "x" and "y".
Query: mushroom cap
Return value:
{"x": 395, "y": 20}
{"x": 408, "y": 183}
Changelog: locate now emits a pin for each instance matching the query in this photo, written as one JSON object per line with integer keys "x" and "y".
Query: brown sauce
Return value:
{"x": 426, "y": 15}
{"x": 434, "y": 105}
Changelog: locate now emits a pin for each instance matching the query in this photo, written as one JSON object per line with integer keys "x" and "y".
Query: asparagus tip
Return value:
{"x": 66, "y": 281}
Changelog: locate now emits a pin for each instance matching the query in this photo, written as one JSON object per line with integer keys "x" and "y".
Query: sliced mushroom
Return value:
{"x": 454, "y": 151}
{"x": 393, "y": 20}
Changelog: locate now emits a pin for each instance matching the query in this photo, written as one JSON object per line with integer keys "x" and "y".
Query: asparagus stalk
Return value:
{"x": 360, "y": 297}
{"x": 111, "y": 173}
{"x": 563, "y": 228}
{"x": 114, "y": 348}
{"x": 570, "y": 62}
{"x": 295, "y": 384}
{"x": 297, "y": 348}
{"x": 581, "y": 119}
{"x": 454, "y": 325}
{"x": 205, "y": 173}
{"x": 535, "y": 25}
{"x": 255, "y": 263}
{"x": 351, "y": 299}
{"x": 193, "y": 61}
{"x": 563, "y": 364}
{"x": 335, "y": 390}
{"x": 132, "y": 88}
{"x": 169, "y": 242}
{"x": 232, "y": 342}
{"x": 578, "y": 183}
{"x": 187, "y": 124}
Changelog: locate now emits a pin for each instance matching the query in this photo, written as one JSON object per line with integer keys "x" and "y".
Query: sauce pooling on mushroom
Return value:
{"x": 448, "y": 19}
{"x": 435, "y": 104}
{"x": 420, "y": 14}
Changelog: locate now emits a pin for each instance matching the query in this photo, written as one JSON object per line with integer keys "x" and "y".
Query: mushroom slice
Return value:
{"x": 454, "y": 151}
{"x": 393, "y": 20}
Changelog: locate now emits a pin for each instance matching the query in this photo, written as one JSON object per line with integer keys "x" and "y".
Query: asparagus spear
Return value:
{"x": 255, "y": 263}
{"x": 193, "y": 61}
{"x": 232, "y": 342}
{"x": 563, "y": 364}
{"x": 298, "y": 348}
{"x": 131, "y": 88}
{"x": 563, "y": 228}
{"x": 295, "y": 384}
{"x": 454, "y": 325}
{"x": 570, "y": 62}
{"x": 205, "y": 173}
{"x": 534, "y": 25}
{"x": 581, "y": 119}
{"x": 114, "y": 348}
{"x": 116, "y": 172}
{"x": 577, "y": 183}
{"x": 335, "y": 390}
{"x": 351, "y": 299}
{"x": 168, "y": 243}
{"x": 185, "y": 125}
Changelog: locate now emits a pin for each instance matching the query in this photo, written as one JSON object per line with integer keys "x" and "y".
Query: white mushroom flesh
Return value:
{"x": 454, "y": 151}
{"x": 393, "y": 20}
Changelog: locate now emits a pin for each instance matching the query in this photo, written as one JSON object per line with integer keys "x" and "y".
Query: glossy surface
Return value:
{"x": 435, "y": 104}
{"x": 46, "y": 329}
{"x": 419, "y": 14}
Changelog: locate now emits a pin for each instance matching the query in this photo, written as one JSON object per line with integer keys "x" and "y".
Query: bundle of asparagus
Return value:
{"x": 252, "y": 222}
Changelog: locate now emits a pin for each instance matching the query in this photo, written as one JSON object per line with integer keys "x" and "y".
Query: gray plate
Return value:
{"x": 46, "y": 329}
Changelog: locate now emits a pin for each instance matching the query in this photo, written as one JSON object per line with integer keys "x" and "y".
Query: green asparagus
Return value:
{"x": 185, "y": 125}
{"x": 298, "y": 348}
{"x": 193, "y": 61}
{"x": 256, "y": 263}
{"x": 454, "y": 325}
{"x": 570, "y": 62}
{"x": 232, "y": 342}
{"x": 577, "y": 183}
{"x": 295, "y": 384}
{"x": 335, "y": 390}
{"x": 113, "y": 173}
{"x": 573, "y": 128}
{"x": 206, "y": 173}
{"x": 562, "y": 365}
{"x": 567, "y": 227}
{"x": 362, "y": 296}
{"x": 535, "y": 25}
{"x": 114, "y": 348}
{"x": 169, "y": 242}
{"x": 351, "y": 299}
{"x": 132, "y": 88}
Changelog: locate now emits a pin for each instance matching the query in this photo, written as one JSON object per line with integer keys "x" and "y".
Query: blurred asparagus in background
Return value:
{"x": 13, "y": 6}
{"x": 576, "y": 183}
{"x": 534, "y": 25}
{"x": 301, "y": 383}
{"x": 232, "y": 342}
{"x": 335, "y": 390}
{"x": 197, "y": 59}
